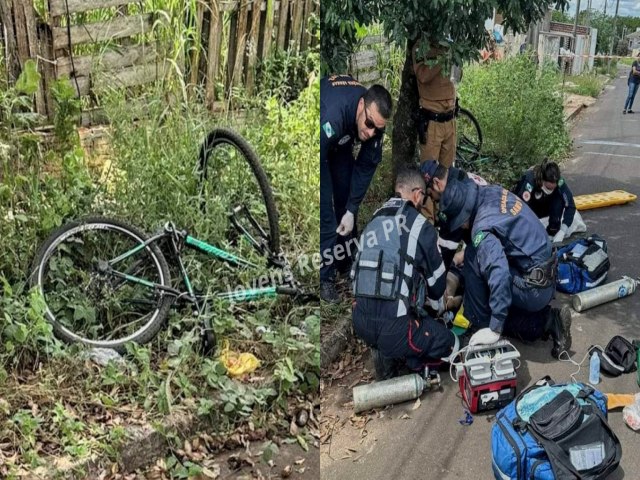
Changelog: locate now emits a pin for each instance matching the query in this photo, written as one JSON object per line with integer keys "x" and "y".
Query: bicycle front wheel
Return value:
{"x": 468, "y": 139}
{"x": 233, "y": 184}
{"x": 100, "y": 283}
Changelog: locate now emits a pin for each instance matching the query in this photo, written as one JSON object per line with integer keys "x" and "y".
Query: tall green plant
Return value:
{"x": 520, "y": 112}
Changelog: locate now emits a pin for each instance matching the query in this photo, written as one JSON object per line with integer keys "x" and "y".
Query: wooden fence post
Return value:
{"x": 215, "y": 45}
{"x": 268, "y": 36}
{"x": 241, "y": 41}
{"x": 252, "y": 45}
{"x": 283, "y": 16}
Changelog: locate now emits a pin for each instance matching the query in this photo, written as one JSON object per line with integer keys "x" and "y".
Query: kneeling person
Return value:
{"x": 509, "y": 267}
{"x": 399, "y": 281}
{"x": 549, "y": 196}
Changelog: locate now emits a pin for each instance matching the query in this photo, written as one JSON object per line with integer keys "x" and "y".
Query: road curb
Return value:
{"x": 332, "y": 345}
{"x": 575, "y": 113}
{"x": 143, "y": 446}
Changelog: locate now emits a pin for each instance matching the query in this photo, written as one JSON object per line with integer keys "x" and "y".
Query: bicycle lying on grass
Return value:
{"x": 106, "y": 283}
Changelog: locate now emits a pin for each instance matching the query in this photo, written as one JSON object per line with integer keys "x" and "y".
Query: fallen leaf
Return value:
{"x": 416, "y": 405}
{"x": 211, "y": 473}
{"x": 405, "y": 417}
{"x": 286, "y": 472}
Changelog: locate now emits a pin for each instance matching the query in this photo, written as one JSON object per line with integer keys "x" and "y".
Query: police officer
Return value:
{"x": 399, "y": 281}
{"x": 547, "y": 193}
{"x": 349, "y": 112}
{"x": 509, "y": 266}
{"x": 437, "y": 108}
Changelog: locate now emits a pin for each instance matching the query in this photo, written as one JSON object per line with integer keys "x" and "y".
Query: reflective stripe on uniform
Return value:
{"x": 387, "y": 276}
{"x": 402, "y": 309}
{"x": 368, "y": 263}
{"x": 404, "y": 291}
{"x": 431, "y": 281}
{"x": 414, "y": 234}
{"x": 448, "y": 244}
{"x": 412, "y": 245}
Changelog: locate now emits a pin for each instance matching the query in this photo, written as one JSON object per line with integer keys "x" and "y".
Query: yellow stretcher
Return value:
{"x": 604, "y": 199}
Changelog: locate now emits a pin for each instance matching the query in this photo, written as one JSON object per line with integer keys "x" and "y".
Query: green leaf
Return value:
{"x": 29, "y": 79}
{"x": 302, "y": 442}
{"x": 269, "y": 451}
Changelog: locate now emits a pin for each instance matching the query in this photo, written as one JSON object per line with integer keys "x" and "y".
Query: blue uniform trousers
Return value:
{"x": 527, "y": 314}
{"x": 335, "y": 187}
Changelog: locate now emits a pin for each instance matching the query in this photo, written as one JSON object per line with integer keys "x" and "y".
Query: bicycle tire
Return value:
{"x": 471, "y": 146}
{"x": 221, "y": 136}
{"x": 56, "y": 238}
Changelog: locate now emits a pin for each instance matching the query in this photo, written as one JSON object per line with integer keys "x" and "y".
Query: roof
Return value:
{"x": 633, "y": 35}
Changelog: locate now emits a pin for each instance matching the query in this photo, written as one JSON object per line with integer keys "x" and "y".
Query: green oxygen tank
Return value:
{"x": 604, "y": 293}
{"x": 387, "y": 392}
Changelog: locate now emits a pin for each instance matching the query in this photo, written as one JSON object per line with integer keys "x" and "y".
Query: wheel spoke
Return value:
{"x": 85, "y": 299}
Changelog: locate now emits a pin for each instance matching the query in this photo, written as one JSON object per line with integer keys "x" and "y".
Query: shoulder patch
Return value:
{"x": 478, "y": 237}
{"x": 526, "y": 196}
{"x": 328, "y": 129}
{"x": 561, "y": 182}
{"x": 529, "y": 187}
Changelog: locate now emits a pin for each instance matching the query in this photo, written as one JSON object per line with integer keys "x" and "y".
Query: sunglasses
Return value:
{"x": 369, "y": 123}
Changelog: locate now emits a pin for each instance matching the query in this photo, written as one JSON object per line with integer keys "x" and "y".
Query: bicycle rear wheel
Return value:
{"x": 86, "y": 295}
{"x": 235, "y": 187}
{"x": 468, "y": 139}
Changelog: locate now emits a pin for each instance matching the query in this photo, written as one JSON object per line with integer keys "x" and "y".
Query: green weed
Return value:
{"x": 520, "y": 112}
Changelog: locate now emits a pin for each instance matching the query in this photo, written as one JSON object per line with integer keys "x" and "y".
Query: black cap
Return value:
{"x": 458, "y": 201}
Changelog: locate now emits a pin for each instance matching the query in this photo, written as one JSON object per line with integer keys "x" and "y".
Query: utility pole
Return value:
{"x": 575, "y": 29}
{"x": 613, "y": 34}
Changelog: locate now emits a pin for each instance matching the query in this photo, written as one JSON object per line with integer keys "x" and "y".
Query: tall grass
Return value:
{"x": 588, "y": 84}
{"x": 520, "y": 111}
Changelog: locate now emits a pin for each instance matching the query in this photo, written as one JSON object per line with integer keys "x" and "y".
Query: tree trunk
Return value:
{"x": 404, "y": 138}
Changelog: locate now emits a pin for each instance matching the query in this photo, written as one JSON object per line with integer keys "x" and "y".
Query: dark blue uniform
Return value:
{"x": 449, "y": 240}
{"x": 343, "y": 179}
{"x": 559, "y": 206}
{"x": 507, "y": 242}
{"x": 398, "y": 328}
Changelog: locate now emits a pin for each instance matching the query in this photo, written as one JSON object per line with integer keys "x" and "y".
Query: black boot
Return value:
{"x": 386, "y": 368}
{"x": 328, "y": 292}
{"x": 558, "y": 327}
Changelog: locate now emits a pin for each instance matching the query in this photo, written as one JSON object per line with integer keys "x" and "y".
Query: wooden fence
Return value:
{"x": 126, "y": 50}
{"x": 365, "y": 64}
{"x": 234, "y": 35}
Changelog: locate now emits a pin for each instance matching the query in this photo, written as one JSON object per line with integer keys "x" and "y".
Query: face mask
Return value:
{"x": 546, "y": 190}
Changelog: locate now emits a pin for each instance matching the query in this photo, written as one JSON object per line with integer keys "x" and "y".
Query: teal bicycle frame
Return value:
{"x": 176, "y": 239}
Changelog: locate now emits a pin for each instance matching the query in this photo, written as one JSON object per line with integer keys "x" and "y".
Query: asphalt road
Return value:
{"x": 428, "y": 442}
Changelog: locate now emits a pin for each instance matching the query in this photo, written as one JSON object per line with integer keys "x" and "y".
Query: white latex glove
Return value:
{"x": 346, "y": 224}
{"x": 484, "y": 336}
{"x": 560, "y": 235}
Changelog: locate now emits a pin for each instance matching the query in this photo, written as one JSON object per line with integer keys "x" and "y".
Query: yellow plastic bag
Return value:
{"x": 460, "y": 320}
{"x": 238, "y": 364}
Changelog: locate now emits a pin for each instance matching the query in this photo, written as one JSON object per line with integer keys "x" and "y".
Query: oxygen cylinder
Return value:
{"x": 605, "y": 293}
{"x": 386, "y": 392}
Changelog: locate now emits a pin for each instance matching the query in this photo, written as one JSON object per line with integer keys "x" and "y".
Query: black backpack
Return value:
{"x": 618, "y": 357}
{"x": 576, "y": 436}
